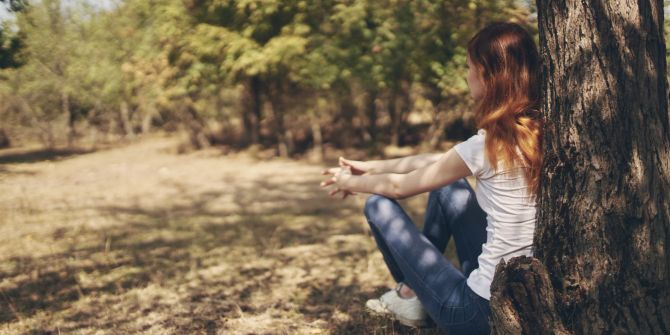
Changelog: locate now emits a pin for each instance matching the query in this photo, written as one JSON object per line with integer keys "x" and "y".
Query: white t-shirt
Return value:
{"x": 510, "y": 212}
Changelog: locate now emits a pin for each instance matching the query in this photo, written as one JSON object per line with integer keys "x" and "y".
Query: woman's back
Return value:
{"x": 510, "y": 212}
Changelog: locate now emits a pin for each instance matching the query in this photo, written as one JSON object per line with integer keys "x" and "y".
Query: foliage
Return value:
{"x": 192, "y": 63}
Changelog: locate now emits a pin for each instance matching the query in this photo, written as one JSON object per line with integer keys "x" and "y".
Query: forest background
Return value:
{"x": 289, "y": 75}
{"x": 139, "y": 186}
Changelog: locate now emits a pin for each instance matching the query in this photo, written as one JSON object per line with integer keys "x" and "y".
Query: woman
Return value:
{"x": 494, "y": 221}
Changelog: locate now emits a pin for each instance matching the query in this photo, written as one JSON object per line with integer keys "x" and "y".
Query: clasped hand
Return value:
{"x": 340, "y": 175}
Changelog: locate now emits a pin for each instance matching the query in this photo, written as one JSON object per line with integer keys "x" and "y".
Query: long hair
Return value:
{"x": 509, "y": 66}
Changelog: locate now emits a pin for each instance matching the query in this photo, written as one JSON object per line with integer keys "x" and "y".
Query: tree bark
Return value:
{"x": 343, "y": 120}
{"x": 433, "y": 135}
{"x": 371, "y": 113}
{"x": 522, "y": 299}
{"x": 149, "y": 112}
{"x": 251, "y": 113}
{"x": 196, "y": 127}
{"x": 398, "y": 111}
{"x": 603, "y": 225}
{"x": 318, "y": 140}
{"x": 4, "y": 139}
{"x": 69, "y": 115}
{"x": 436, "y": 130}
{"x": 444, "y": 109}
{"x": 125, "y": 120}
{"x": 278, "y": 110}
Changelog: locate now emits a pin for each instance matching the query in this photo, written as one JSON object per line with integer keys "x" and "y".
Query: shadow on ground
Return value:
{"x": 257, "y": 257}
{"x": 38, "y": 155}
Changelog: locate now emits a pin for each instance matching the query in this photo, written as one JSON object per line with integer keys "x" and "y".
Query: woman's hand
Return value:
{"x": 340, "y": 176}
{"x": 357, "y": 167}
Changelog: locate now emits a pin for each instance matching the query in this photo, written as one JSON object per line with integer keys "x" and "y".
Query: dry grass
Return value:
{"x": 138, "y": 239}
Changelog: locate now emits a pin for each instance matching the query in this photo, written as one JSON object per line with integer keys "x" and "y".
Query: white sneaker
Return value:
{"x": 407, "y": 311}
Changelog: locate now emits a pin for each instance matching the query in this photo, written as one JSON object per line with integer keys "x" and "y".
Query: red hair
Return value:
{"x": 508, "y": 63}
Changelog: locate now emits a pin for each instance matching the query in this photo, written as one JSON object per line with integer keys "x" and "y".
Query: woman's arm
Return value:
{"x": 444, "y": 171}
{"x": 396, "y": 165}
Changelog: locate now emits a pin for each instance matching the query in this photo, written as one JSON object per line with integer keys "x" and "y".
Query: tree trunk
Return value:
{"x": 251, "y": 112}
{"x": 125, "y": 120}
{"x": 522, "y": 299}
{"x": 407, "y": 104}
{"x": 395, "y": 117}
{"x": 444, "y": 107}
{"x": 283, "y": 137}
{"x": 436, "y": 130}
{"x": 399, "y": 106}
{"x": 347, "y": 132}
{"x": 371, "y": 113}
{"x": 146, "y": 121}
{"x": 196, "y": 127}
{"x": 318, "y": 140}
{"x": 149, "y": 111}
{"x": 69, "y": 114}
{"x": 603, "y": 225}
{"x": 4, "y": 139}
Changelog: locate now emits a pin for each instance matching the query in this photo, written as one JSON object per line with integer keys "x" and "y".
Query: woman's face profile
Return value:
{"x": 474, "y": 82}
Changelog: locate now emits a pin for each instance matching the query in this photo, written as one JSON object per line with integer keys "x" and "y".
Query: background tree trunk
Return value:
{"x": 603, "y": 227}
{"x": 125, "y": 120}
{"x": 394, "y": 115}
{"x": 318, "y": 139}
{"x": 4, "y": 139}
{"x": 196, "y": 127}
{"x": 371, "y": 113}
{"x": 399, "y": 107}
{"x": 284, "y": 147}
{"x": 344, "y": 117}
{"x": 251, "y": 113}
{"x": 70, "y": 117}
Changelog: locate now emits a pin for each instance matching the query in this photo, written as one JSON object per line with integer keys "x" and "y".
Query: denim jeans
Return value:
{"x": 417, "y": 258}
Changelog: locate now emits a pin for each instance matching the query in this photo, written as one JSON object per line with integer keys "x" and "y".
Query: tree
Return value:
{"x": 10, "y": 46}
{"x": 603, "y": 228}
{"x": 42, "y": 81}
{"x": 253, "y": 43}
{"x": 241, "y": 72}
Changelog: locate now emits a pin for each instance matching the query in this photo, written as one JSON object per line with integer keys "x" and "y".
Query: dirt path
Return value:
{"x": 138, "y": 239}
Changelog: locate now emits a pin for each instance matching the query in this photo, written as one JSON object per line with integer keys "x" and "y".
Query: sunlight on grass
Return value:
{"x": 191, "y": 251}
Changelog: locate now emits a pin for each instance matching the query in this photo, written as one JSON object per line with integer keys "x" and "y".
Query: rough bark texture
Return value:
{"x": 603, "y": 226}
{"x": 522, "y": 299}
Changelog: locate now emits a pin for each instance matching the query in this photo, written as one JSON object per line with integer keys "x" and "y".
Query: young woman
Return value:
{"x": 494, "y": 221}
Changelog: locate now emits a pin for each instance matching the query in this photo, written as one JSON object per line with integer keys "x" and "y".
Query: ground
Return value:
{"x": 136, "y": 238}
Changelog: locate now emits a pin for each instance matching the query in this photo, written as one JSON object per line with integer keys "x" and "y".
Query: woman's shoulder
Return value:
{"x": 476, "y": 140}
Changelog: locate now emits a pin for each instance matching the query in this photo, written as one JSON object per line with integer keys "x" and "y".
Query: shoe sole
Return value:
{"x": 424, "y": 323}
{"x": 412, "y": 323}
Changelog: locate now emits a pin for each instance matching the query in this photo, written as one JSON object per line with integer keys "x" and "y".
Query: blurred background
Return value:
{"x": 298, "y": 77}
{"x": 160, "y": 159}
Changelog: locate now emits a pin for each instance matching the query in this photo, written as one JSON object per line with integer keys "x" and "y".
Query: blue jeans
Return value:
{"x": 417, "y": 259}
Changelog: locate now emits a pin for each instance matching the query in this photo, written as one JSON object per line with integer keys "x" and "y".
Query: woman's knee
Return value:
{"x": 380, "y": 207}
{"x": 372, "y": 204}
